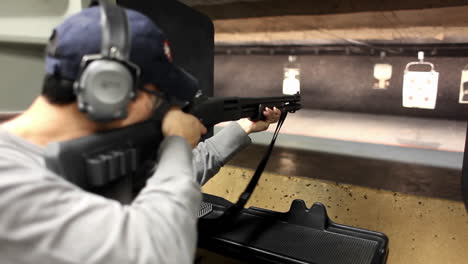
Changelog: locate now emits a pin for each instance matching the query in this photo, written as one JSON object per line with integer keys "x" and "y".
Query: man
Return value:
{"x": 46, "y": 219}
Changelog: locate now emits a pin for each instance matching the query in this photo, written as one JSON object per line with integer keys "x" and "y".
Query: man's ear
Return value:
{"x": 140, "y": 99}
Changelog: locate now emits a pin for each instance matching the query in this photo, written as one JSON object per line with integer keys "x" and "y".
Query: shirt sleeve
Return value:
{"x": 209, "y": 156}
{"x": 48, "y": 220}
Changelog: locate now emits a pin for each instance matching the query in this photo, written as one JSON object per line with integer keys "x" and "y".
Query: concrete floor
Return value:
{"x": 424, "y": 133}
{"x": 433, "y": 142}
{"x": 421, "y": 229}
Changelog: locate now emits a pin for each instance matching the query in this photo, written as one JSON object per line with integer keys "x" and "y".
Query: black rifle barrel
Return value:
{"x": 212, "y": 111}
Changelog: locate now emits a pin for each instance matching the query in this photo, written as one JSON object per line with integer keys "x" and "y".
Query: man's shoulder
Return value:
{"x": 15, "y": 154}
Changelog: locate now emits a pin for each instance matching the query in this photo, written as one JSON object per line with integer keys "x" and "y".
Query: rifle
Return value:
{"x": 96, "y": 161}
{"x": 214, "y": 110}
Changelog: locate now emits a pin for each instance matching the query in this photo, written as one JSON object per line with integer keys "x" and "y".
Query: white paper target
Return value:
{"x": 420, "y": 89}
{"x": 291, "y": 82}
{"x": 464, "y": 88}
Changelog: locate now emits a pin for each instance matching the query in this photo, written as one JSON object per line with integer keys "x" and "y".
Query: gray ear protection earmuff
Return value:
{"x": 108, "y": 81}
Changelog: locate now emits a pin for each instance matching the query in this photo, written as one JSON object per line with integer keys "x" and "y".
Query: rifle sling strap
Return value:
{"x": 234, "y": 209}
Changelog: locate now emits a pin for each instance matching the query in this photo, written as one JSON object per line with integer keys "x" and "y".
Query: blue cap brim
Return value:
{"x": 177, "y": 83}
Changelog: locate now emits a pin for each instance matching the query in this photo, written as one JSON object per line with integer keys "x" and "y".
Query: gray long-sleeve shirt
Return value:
{"x": 45, "y": 219}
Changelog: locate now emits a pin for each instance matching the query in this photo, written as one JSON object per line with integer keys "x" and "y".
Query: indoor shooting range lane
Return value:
{"x": 405, "y": 154}
{"x": 369, "y": 174}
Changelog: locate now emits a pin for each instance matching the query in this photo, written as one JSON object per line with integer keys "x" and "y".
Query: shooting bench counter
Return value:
{"x": 301, "y": 235}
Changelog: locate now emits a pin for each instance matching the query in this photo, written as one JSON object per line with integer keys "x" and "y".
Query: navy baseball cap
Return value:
{"x": 81, "y": 35}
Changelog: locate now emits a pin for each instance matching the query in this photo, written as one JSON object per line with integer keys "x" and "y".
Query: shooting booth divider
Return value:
{"x": 254, "y": 233}
{"x": 464, "y": 180}
{"x": 190, "y": 35}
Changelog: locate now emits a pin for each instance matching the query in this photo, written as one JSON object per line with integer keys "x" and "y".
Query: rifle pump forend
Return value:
{"x": 214, "y": 110}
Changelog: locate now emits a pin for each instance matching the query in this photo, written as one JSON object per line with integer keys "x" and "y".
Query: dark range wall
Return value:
{"x": 308, "y": 7}
{"x": 341, "y": 83}
{"x": 190, "y": 33}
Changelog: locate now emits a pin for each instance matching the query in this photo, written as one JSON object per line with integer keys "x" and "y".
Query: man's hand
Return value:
{"x": 272, "y": 116}
{"x": 178, "y": 123}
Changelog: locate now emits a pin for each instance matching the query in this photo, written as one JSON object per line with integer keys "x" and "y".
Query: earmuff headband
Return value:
{"x": 116, "y": 31}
